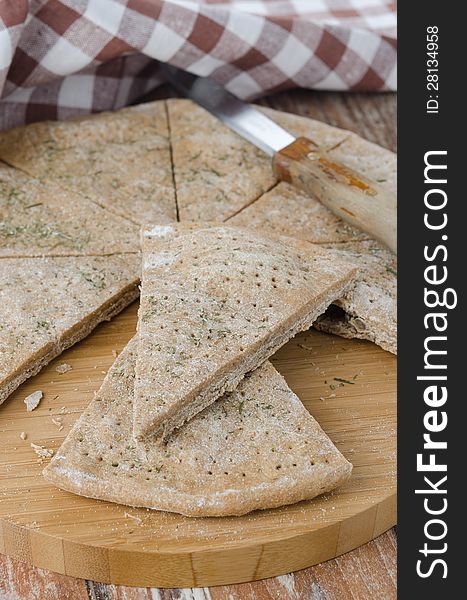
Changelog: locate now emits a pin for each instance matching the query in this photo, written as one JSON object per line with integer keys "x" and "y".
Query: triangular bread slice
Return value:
{"x": 38, "y": 219}
{"x": 368, "y": 310}
{"x": 216, "y": 302}
{"x": 48, "y": 304}
{"x": 216, "y": 171}
{"x": 289, "y": 211}
{"x": 369, "y": 307}
{"x": 121, "y": 161}
{"x": 256, "y": 448}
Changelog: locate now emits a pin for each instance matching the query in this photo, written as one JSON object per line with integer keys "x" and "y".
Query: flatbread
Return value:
{"x": 369, "y": 307}
{"x": 122, "y": 126}
{"x": 256, "y": 448}
{"x": 121, "y": 160}
{"x": 288, "y": 211}
{"x": 216, "y": 172}
{"x": 48, "y": 304}
{"x": 38, "y": 219}
{"x": 216, "y": 302}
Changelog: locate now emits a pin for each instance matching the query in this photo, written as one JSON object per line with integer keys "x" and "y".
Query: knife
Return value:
{"x": 298, "y": 160}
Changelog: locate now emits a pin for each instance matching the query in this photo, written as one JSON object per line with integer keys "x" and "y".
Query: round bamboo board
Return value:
{"x": 106, "y": 542}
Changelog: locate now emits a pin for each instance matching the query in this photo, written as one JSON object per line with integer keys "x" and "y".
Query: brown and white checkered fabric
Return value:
{"x": 66, "y": 57}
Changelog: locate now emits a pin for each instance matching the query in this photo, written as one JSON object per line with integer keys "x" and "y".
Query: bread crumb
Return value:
{"x": 23, "y": 435}
{"x": 138, "y": 520}
{"x": 63, "y": 368}
{"x": 114, "y": 353}
{"x": 41, "y": 451}
{"x": 58, "y": 423}
{"x": 32, "y": 401}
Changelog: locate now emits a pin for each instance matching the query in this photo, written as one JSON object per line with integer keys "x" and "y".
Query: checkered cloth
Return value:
{"x": 66, "y": 57}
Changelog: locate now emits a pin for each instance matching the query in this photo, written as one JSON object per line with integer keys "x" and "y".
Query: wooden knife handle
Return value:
{"x": 350, "y": 195}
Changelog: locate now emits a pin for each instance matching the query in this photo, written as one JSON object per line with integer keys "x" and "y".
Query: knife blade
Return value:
{"x": 298, "y": 160}
{"x": 239, "y": 116}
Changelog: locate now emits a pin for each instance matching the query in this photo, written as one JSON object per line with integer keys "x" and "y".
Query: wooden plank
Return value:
{"x": 21, "y": 581}
{"x": 365, "y": 573}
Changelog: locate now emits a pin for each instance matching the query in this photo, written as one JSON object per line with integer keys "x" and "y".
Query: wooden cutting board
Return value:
{"x": 106, "y": 542}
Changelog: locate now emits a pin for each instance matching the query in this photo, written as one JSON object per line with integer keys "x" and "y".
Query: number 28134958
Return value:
{"x": 432, "y": 75}
{"x": 432, "y": 60}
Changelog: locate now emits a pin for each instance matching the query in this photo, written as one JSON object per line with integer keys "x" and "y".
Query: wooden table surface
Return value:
{"x": 368, "y": 573}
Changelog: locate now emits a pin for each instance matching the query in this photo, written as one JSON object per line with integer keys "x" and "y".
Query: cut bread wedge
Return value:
{"x": 368, "y": 310}
{"x": 39, "y": 219}
{"x": 216, "y": 302}
{"x": 289, "y": 211}
{"x": 120, "y": 160}
{"x": 256, "y": 448}
{"x": 48, "y": 304}
{"x": 216, "y": 172}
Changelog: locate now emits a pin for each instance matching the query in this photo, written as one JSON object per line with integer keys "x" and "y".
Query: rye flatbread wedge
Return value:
{"x": 368, "y": 310}
{"x": 38, "y": 219}
{"x": 48, "y": 304}
{"x": 288, "y": 211}
{"x": 216, "y": 302}
{"x": 120, "y": 160}
{"x": 256, "y": 448}
{"x": 216, "y": 172}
